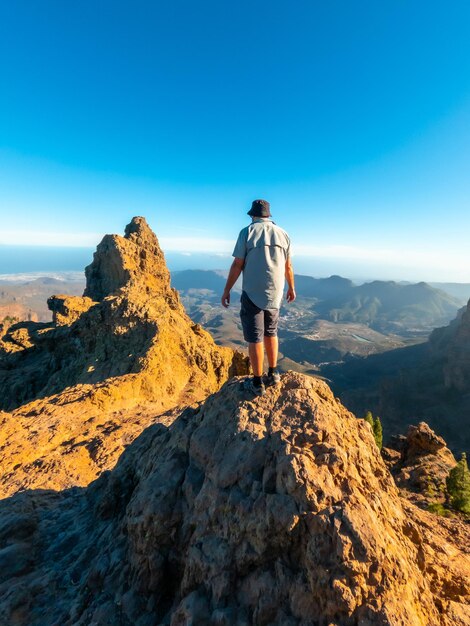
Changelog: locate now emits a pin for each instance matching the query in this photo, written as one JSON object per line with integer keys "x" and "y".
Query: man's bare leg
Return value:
{"x": 256, "y": 352}
{"x": 272, "y": 347}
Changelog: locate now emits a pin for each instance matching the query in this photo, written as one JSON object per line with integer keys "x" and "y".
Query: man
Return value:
{"x": 262, "y": 253}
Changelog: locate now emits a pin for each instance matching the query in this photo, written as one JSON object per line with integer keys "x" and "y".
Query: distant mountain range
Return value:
{"x": 198, "y": 279}
{"x": 389, "y": 306}
{"x": 24, "y": 297}
{"x": 461, "y": 291}
{"x": 385, "y": 306}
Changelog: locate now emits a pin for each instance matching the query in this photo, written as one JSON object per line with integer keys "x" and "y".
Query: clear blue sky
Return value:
{"x": 352, "y": 118}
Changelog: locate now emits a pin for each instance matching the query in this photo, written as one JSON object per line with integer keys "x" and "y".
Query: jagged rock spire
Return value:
{"x": 120, "y": 262}
{"x": 128, "y": 341}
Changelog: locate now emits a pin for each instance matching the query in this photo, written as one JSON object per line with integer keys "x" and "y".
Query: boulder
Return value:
{"x": 422, "y": 462}
{"x": 67, "y": 309}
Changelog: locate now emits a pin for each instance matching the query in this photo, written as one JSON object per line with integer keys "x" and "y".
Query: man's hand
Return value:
{"x": 234, "y": 272}
{"x": 225, "y": 299}
{"x": 290, "y": 296}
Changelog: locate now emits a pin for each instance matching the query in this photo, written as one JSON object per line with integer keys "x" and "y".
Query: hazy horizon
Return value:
{"x": 50, "y": 260}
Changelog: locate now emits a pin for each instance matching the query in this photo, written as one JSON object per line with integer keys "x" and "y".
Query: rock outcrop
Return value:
{"x": 420, "y": 463}
{"x": 67, "y": 309}
{"x": 70, "y": 390}
{"x": 274, "y": 510}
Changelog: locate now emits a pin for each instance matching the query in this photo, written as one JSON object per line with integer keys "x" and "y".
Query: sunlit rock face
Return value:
{"x": 222, "y": 509}
{"x": 420, "y": 462}
{"x": 69, "y": 388}
{"x": 133, "y": 261}
{"x": 274, "y": 510}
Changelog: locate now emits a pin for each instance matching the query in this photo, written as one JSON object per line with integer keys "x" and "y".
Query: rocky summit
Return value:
{"x": 269, "y": 511}
{"x": 76, "y": 391}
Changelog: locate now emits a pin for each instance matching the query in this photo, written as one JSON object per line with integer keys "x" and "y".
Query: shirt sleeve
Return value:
{"x": 240, "y": 247}
{"x": 288, "y": 250}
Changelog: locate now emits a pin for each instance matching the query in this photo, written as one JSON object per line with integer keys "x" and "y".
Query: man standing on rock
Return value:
{"x": 262, "y": 253}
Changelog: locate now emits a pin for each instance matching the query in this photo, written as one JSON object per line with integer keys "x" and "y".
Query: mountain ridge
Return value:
{"x": 383, "y": 305}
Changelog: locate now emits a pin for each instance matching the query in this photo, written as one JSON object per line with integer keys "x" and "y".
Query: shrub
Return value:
{"x": 378, "y": 434}
{"x": 458, "y": 486}
{"x": 369, "y": 419}
{"x": 376, "y": 426}
{"x": 439, "y": 509}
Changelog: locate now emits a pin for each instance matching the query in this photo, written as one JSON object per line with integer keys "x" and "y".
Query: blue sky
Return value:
{"x": 353, "y": 119}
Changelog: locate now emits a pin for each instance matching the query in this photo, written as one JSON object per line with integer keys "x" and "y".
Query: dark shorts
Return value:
{"x": 257, "y": 323}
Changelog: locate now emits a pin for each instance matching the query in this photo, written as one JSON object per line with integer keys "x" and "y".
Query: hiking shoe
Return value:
{"x": 273, "y": 378}
{"x": 250, "y": 387}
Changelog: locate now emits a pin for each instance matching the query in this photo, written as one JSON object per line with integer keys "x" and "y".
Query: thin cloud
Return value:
{"x": 404, "y": 256}
{"x": 203, "y": 245}
{"x": 35, "y": 238}
{"x": 434, "y": 264}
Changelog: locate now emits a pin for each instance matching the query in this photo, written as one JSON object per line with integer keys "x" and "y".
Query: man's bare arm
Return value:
{"x": 235, "y": 271}
{"x": 290, "y": 296}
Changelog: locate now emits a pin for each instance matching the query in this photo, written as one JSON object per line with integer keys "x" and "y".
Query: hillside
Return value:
{"x": 25, "y": 299}
{"x": 278, "y": 510}
{"x": 324, "y": 342}
{"x": 209, "y": 280}
{"x": 391, "y": 307}
{"x": 460, "y": 291}
{"x": 323, "y": 288}
{"x": 428, "y": 382}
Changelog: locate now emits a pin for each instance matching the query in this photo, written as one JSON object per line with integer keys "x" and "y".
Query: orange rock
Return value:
{"x": 274, "y": 510}
{"x": 70, "y": 388}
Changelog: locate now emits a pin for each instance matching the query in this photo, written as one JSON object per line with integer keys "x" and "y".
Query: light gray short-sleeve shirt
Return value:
{"x": 265, "y": 248}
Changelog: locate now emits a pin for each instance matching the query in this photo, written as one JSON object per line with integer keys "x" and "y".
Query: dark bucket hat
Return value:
{"x": 260, "y": 208}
